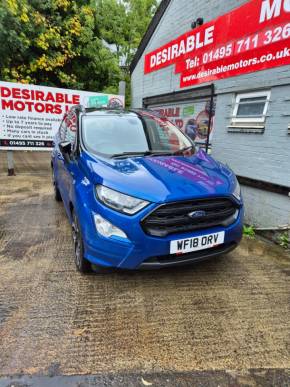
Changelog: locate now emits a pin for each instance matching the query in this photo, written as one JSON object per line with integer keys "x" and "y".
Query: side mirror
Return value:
{"x": 65, "y": 150}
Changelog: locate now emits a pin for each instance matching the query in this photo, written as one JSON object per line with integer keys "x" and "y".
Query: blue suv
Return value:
{"x": 139, "y": 195}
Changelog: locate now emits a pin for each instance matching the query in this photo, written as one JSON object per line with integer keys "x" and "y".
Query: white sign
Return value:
{"x": 30, "y": 115}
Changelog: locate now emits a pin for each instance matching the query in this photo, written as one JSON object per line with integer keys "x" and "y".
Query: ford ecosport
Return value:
{"x": 137, "y": 193}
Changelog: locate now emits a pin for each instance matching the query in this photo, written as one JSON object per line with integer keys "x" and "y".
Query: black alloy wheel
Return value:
{"x": 57, "y": 195}
{"x": 82, "y": 264}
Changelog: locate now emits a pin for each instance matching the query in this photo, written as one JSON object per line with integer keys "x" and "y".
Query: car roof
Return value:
{"x": 120, "y": 111}
{"x": 105, "y": 111}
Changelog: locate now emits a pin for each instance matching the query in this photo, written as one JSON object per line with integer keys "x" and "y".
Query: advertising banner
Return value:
{"x": 30, "y": 115}
{"x": 253, "y": 37}
{"x": 191, "y": 117}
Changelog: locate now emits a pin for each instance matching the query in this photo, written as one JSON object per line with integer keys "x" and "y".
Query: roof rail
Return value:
{"x": 79, "y": 108}
{"x": 93, "y": 109}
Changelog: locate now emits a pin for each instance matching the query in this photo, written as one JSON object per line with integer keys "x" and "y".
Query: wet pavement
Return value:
{"x": 253, "y": 378}
{"x": 223, "y": 322}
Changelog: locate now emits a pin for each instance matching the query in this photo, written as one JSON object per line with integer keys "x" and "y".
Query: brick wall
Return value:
{"x": 262, "y": 156}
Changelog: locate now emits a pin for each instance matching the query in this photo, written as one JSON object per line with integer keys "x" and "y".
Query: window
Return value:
{"x": 62, "y": 130}
{"x": 133, "y": 132}
{"x": 114, "y": 134}
{"x": 251, "y": 108}
{"x": 71, "y": 124}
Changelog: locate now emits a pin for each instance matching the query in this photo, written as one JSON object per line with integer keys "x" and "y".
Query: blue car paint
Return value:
{"x": 155, "y": 179}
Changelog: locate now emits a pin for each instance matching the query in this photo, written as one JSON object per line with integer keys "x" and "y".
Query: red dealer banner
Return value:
{"x": 253, "y": 37}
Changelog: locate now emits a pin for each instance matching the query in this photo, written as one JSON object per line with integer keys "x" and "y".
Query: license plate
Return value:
{"x": 202, "y": 242}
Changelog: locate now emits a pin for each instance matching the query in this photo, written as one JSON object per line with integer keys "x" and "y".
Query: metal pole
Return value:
{"x": 10, "y": 163}
{"x": 210, "y": 116}
{"x": 122, "y": 88}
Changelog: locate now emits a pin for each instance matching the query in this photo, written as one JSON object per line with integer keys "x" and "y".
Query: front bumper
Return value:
{"x": 139, "y": 250}
{"x": 186, "y": 259}
{"x": 153, "y": 254}
{"x": 142, "y": 251}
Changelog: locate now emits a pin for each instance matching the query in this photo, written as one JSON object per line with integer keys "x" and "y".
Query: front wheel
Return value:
{"x": 57, "y": 195}
{"x": 82, "y": 264}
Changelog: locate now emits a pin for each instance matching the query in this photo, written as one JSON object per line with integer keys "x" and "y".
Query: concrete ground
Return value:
{"x": 224, "y": 322}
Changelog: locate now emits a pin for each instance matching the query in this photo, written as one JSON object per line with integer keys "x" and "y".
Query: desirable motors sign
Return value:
{"x": 30, "y": 115}
{"x": 253, "y": 37}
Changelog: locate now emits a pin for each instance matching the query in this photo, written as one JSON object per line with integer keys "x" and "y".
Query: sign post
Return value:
{"x": 211, "y": 114}
{"x": 10, "y": 163}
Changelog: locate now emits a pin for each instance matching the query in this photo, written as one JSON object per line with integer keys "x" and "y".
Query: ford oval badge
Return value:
{"x": 197, "y": 214}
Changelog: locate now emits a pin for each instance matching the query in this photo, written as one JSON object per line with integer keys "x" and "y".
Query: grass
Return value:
{"x": 249, "y": 232}
{"x": 284, "y": 240}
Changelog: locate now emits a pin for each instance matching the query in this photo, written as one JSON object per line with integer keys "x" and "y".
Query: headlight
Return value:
{"x": 120, "y": 202}
{"x": 237, "y": 191}
{"x": 107, "y": 229}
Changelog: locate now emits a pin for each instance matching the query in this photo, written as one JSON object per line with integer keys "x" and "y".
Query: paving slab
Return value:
{"x": 257, "y": 378}
{"x": 190, "y": 324}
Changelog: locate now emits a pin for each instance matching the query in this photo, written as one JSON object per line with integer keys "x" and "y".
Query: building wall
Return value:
{"x": 260, "y": 156}
{"x": 266, "y": 209}
{"x": 176, "y": 21}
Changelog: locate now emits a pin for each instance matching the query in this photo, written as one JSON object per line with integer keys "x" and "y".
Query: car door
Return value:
{"x": 68, "y": 168}
{"x": 58, "y": 160}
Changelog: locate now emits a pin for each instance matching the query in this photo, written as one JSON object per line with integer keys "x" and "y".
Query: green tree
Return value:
{"x": 123, "y": 23}
{"x": 71, "y": 43}
{"x": 55, "y": 42}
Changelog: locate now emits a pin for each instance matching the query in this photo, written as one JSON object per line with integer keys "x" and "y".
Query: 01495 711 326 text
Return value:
{"x": 227, "y": 41}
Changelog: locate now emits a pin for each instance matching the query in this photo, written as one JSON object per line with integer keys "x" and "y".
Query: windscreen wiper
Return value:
{"x": 168, "y": 153}
{"x": 151, "y": 153}
{"x": 124, "y": 154}
{"x": 183, "y": 150}
{"x": 159, "y": 153}
{"x": 146, "y": 153}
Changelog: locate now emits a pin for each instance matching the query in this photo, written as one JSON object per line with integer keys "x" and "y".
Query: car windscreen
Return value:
{"x": 129, "y": 133}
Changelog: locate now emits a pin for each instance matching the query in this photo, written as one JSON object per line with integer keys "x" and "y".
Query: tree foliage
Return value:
{"x": 64, "y": 43}
{"x": 124, "y": 22}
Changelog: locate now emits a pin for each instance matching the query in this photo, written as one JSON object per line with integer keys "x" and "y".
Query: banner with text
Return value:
{"x": 253, "y": 37}
{"x": 30, "y": 115}
{"x": 191, "y": 117}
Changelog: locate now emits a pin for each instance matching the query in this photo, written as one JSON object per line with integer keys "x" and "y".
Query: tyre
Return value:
{"x": 82, "y": 264}
{"x": 57, "y": 195}
{"x": 101, "y": 269}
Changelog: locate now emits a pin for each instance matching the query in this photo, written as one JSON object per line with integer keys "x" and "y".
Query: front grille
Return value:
{"x": 174, "y": 218}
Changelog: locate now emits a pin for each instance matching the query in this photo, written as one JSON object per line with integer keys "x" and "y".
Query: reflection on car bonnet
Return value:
{"x": 188, "y": 170}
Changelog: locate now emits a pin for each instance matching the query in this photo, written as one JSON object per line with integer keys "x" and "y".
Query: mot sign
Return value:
{"x": 30, "y": 115}
{"x": 253, "y": 37}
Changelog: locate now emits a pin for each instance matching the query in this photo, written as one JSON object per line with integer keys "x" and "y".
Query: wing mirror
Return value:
{"x": 65, "y": 150}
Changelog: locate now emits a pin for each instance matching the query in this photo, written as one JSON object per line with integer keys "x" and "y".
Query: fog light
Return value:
{"x": 107, "y": 229}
